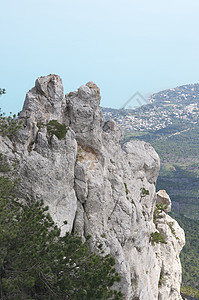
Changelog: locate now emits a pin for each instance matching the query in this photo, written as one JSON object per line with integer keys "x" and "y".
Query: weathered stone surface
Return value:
{"x": 167, "y": 254}
{"x": 45, "y": 101}
{"x": 163, "y": 198}
{"x": 100, "y": 188}
{"x": 85, "y": 116}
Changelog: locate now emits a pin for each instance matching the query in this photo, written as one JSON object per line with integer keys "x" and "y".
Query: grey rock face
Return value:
{"x": 44, "y": 102}
{"x": 85, "y": 116}
{"x": 100, "y": 188}
{"x": 163, "y": 198}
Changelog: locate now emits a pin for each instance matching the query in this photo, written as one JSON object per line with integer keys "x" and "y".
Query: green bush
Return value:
{"x": 54, "y": 127}
{"x": 144, "y": 192}
{"x": 4, "y": 166}
{"x": 170, "y": 224}
{"x": 9, "y": 126}
{"x": 157, "y": 212}
{"x": 2, "y": 91}
{"x": 156, "y": 237}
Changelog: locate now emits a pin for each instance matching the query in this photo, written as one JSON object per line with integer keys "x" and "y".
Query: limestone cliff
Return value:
{"x": 100, "y": 188}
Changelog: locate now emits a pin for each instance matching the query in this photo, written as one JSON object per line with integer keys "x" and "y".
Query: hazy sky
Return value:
{"x": 124, "y": 46}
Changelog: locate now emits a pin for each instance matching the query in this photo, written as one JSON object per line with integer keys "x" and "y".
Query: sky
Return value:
{"x": 124, "y": 46}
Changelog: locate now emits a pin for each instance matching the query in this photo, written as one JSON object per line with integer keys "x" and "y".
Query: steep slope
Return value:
{"x": 68, "y": 156}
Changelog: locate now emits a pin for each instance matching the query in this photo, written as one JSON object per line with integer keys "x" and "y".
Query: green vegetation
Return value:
{"x": 158, "y": 210}
{"x": 9, "y": 126}
{"x": 179, "y": 176}
{"x": 54, "y": 127}
{"x": 162, "y": 280}
{"x": 37, "y": 263}
{"x": 144, "y": 192}
{"x": 179, "y": 154}
{"x": 189, "y": 255}
{"x": 103, "y": 235}
{"x": 176, "y": 112}
{"x": 4, "y": 166}
{"x": 143, "y": 213}
{"x": 179, "y": 173}
{"x": 157, "y": 237}
{"x": 40, "y": 125}
{"x": 170, "y": 224}
{"x": 2, "y": 91}
{"x": 126, "y": 188}
{"x": 190, "y": 291}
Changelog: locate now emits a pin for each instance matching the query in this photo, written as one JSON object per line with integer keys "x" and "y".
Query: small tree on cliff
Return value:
{"x": 2, "y": 91}
{"x": 37, "y": 263}
{"x": 10, "y": 125}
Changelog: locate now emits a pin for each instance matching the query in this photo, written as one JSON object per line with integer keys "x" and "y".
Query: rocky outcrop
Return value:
{"x": 164, "y": 199}
{"x": 100, "y": 188}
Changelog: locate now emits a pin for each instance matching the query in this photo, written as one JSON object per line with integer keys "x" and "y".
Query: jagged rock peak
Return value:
{"x": 79, "y": 110}
{"x": 50, "y": 86}
{"x": 45, "y": 100}
{"x": 102, "y": 189}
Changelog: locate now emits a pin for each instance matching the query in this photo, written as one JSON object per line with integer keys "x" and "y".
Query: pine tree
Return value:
{"x": 37, "y": 263}
{"x": 9, "y": 126}
{"x": 2, "y": 91}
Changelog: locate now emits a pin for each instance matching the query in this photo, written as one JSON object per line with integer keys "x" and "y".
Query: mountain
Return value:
{"x": 67, "y": 155}
{"x": 170, "y": 123}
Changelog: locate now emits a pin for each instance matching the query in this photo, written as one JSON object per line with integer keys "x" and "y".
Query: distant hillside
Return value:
{"x": 170, "y": 122}
{"x": 165, "y": 108}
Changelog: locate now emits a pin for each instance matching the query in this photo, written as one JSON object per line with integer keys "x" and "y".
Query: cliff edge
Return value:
{"x": 67, "y": 155}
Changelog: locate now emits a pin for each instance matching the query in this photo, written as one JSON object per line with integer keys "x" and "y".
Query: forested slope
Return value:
{"x": 178, "y": 148}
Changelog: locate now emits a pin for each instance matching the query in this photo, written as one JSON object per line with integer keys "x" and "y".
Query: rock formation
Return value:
{"x": 100, "y": 188}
